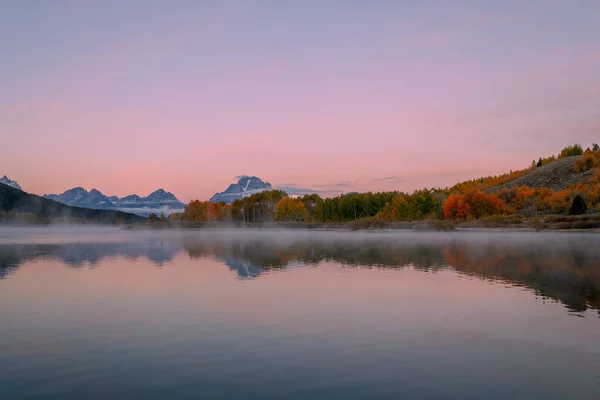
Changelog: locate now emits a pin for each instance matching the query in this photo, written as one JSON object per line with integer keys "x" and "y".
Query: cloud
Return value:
{"x": 390, "y": 179}
{"x": 343, "y": 184}
{"x": 293, "y": 188}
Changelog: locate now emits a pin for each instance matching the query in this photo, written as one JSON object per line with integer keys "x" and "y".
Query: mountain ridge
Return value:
{"x": 9, "y": 182}
{"x": 14, "y": 201}
{"x": 156, "y": 202}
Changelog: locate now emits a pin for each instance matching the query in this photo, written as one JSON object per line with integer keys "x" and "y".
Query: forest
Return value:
{"x": 470, "y": 200}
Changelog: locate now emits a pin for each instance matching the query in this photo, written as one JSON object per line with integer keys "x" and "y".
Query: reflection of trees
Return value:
{"x": 269, "y": 255}
{"x": 568, "y": 271}
{"x": 571, "y": 275}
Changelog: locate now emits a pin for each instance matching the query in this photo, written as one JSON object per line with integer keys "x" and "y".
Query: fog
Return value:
{"x": 94, "y": 233}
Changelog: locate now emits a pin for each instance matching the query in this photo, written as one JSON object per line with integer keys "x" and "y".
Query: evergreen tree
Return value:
{"x": 579, "y": 206}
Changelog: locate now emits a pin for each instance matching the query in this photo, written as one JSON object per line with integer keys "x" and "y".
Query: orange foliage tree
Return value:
{"x": 205, "y": 211}
{"x": 472, "y": 204}
{"x": 589, "y": 160}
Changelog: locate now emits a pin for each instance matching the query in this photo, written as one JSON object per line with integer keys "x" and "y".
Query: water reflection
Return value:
{"x": 564, "y": 267}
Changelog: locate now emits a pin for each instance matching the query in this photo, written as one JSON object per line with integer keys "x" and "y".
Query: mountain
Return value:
{"x": 16, "y": 201}
{"x": 160, "y": 196}
{"x": 132, "y": 198}
{"x": 79, "y": 197}
{"x": 10, "y": 182}
{"x": 157, "y": 202}
{"x": 246, "y": 186}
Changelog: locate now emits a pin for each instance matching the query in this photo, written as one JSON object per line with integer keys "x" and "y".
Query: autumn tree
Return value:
{"x": 288, "y": 209}
{"x": 589, "y": 160}
{"x": 473, "y": 204}
{"x": 455, "y": 207}
{"x": 259, "y": 207}
{"x": 569, "y": 151}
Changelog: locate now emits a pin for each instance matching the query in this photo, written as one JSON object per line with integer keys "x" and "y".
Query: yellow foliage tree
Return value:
{"x": 288, "y": 209}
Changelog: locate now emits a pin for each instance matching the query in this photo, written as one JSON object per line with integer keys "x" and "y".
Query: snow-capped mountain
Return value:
{"x": 10, "y": 182}
{"x": 246, "y": 186}
{"x": 157, "y": 202}
{"x": 79, "y": 197}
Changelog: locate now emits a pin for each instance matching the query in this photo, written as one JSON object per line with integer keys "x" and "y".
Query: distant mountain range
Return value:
{"x": 9, "y": 182}
{"x": 246, "y": 186}
{"x": 157, "y": 202}
{"x": 16, "y": 202}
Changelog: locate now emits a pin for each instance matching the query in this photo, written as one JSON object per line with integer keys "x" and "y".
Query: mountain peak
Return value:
{"x": 161, "y": 195}
{"x": 246, "y": 186}
{"x": 9, "y": 182}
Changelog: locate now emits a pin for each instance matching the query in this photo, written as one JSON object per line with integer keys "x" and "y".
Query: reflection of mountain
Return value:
{"x": 79, "y": 254}
{"x": 562, "y": 267}
{"x": 244, "y": 269}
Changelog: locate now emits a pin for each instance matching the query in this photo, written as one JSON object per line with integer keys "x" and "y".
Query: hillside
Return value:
{"x": 18, "y": 202}
{"x": 557, "y": 175}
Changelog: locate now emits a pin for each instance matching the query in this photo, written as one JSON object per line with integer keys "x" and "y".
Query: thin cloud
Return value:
{"x": 301, "y": 191}
{"x": 341, "y": 184}
{"x": 390, "y": 179}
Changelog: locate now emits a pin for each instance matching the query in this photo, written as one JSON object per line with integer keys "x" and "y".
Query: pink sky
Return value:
{"x": 365, "y": 97}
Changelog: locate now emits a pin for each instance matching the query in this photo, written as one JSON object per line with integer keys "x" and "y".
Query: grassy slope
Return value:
{"x": 556, "y": 175}
{"x": 17, "y": 201}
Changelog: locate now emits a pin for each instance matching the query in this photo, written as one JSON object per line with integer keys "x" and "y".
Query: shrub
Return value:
{"x": 587, "y": 161}
{"x": 569, "y": 151}
{"x": 368, "y": 223}
{"x": 579, "y": 206}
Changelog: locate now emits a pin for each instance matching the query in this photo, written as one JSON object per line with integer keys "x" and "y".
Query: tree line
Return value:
{"x": 463, "y": 201}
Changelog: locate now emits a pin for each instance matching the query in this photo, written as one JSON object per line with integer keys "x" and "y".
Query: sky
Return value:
{"x": 330, "y": 96}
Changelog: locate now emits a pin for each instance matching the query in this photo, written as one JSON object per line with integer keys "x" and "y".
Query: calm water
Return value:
{"x": 298, "y": 315}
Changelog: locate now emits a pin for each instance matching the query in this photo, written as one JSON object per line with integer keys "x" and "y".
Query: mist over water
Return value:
{"x": 100, "y": 312}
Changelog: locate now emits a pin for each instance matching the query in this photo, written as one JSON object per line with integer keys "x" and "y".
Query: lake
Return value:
{"x": 102, "y": 313}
